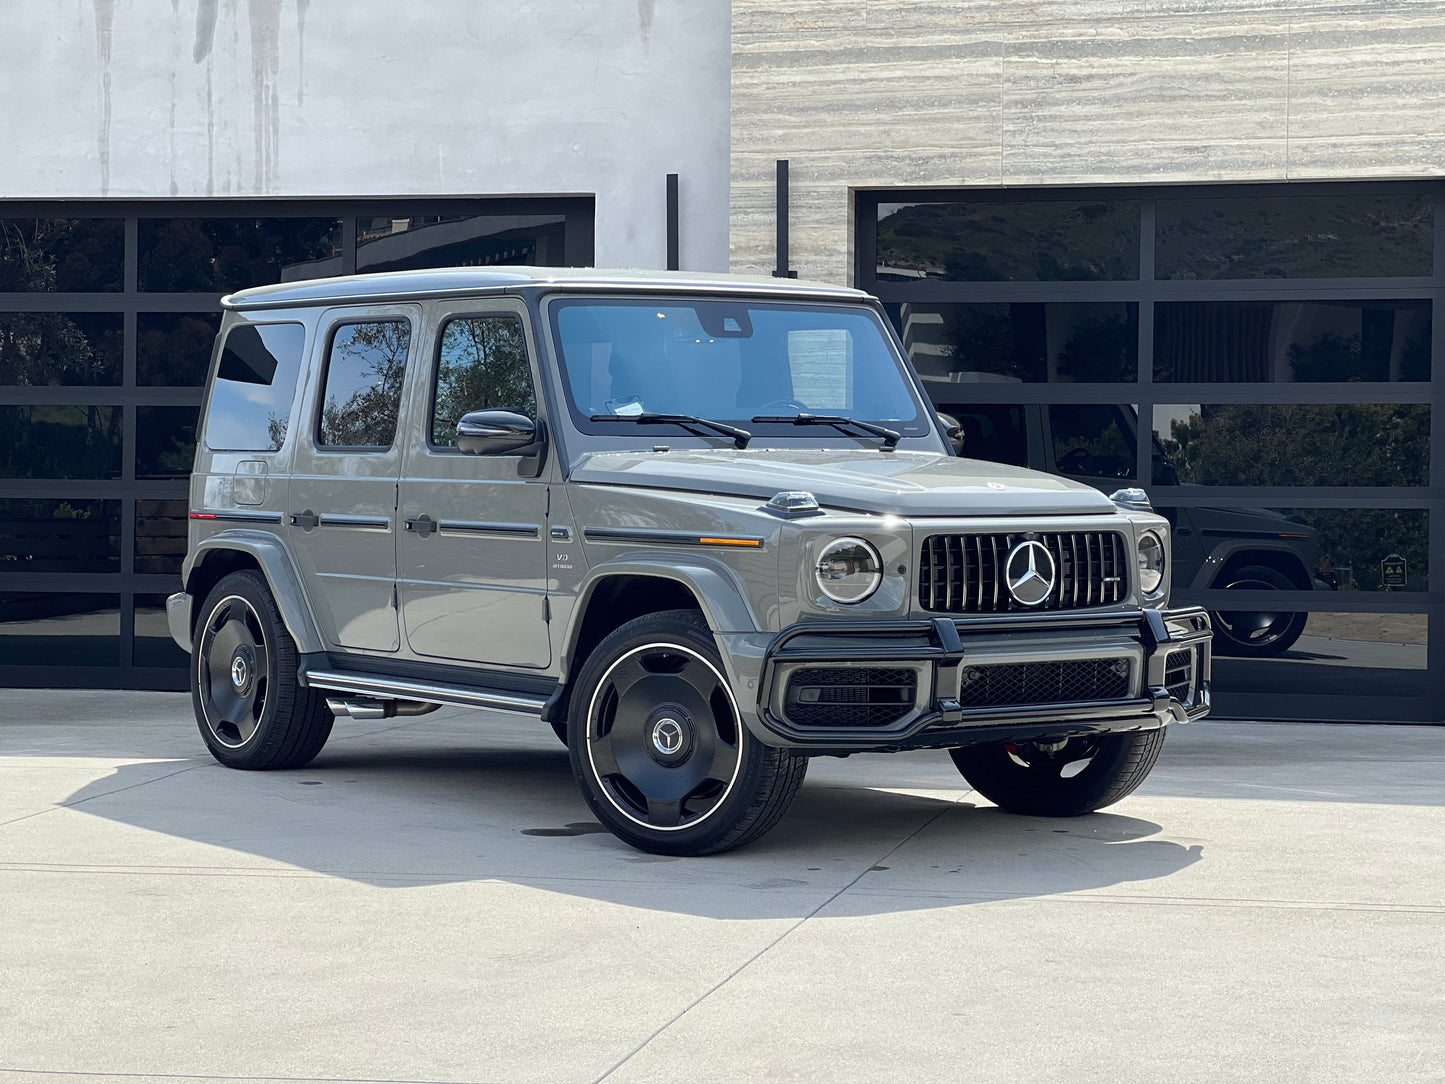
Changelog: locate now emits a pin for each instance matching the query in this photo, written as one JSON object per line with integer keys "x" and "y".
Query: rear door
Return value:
{"x": 472, "y": 557}
{"x": 342, "y": 509}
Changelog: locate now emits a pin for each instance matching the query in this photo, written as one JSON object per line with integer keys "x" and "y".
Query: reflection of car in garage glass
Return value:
{"x": 1214, "y": 548}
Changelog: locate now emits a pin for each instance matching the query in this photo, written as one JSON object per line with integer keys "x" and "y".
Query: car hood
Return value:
{"x": 863, "y": 480}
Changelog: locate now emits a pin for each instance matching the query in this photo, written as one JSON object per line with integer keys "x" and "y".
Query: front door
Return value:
{"x": 341, "y": 515}
{"x": 472, "y": 556}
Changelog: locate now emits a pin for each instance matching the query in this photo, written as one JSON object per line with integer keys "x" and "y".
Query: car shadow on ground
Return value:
{"x": 413, "y": 814}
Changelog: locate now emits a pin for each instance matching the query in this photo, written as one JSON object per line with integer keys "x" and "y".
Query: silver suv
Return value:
{"x": 705, "y": 527}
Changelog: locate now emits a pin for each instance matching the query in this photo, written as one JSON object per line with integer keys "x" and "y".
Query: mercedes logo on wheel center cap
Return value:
{"x": 667, "y": 736}
{"x": 1029, "y": 573}
{"x": 240, "y": 671}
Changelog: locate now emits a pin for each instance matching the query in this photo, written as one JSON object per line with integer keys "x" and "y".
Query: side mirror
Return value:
{"x": 504, "y": 432}
{"x": 953, "y": 431}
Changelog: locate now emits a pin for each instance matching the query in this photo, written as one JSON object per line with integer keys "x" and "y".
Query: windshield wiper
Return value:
{"x": 837, "y": 421}
{"x": 740, "y": 436}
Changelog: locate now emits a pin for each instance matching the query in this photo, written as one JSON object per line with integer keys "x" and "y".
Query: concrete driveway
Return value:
{"x": 430, "y": 901}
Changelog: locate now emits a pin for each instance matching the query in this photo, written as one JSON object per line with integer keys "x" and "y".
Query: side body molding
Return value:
{"x": 716, "y": 587}
{"x": 270, "y": 553}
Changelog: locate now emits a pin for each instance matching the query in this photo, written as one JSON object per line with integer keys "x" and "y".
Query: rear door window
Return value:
{"x": 364, "y": 373}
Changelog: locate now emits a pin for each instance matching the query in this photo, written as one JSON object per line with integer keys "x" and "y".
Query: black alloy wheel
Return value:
{"x": 1258, "y": 634}
{"x": 251, "y": 710}
{"x": 660, "y": 750}
{"x": 1064, "y": 778}
{"x": 235, "y": 681}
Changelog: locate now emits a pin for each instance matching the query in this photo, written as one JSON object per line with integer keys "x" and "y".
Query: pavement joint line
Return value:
{"x": 248, "y": 1076}
{"x": 106, "y": 794}
{"x": 532, "y": 880}
{"x": 168, "y": 775}
{"x": 775, "y": 942}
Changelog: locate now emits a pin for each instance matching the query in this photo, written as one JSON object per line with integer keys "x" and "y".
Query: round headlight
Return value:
{"x": 849, "y": 570}
{"x": 1151, "y": 563}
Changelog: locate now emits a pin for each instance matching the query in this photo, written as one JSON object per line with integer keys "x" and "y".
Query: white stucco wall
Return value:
{"x": 196, "y": 98}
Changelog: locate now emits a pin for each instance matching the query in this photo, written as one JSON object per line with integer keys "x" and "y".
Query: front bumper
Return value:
{"x": 1138, "y": 670}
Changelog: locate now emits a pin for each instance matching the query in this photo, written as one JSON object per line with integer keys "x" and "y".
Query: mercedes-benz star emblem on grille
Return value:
{"x": 1029, "y": 573}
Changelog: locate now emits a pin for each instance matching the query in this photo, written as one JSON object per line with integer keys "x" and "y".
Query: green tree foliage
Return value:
{"x": 483, "y": 366}
{"x": 371, "y": 358}
{"x": 1382, "y": 444}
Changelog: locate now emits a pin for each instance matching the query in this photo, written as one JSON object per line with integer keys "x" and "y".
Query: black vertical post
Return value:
{"x": 782, "y": 271}
{"x": 672, "y": 260}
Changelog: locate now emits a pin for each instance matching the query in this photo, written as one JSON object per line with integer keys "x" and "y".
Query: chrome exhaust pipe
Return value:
{"x": 378, "y": 709}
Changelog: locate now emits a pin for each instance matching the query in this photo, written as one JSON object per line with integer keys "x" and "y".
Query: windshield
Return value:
{"x": 731, "y": 361}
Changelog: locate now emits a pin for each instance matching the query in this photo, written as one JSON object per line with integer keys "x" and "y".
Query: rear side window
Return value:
{"x": 364, "y": 374}
{"x": 254, "y": 388}
{"x": 481, "y": 365}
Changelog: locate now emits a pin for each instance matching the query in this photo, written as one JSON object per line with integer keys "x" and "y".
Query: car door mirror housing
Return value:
{"x": 505, "y": 432}
{"x": 495, "y": 432}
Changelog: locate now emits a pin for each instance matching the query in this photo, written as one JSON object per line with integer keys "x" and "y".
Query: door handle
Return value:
{"x": 305, "y": 520}
{"x": 421, "y": 526}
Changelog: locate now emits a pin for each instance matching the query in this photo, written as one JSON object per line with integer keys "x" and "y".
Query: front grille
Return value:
{"x": 849, "y": 696}
{"x": 964, "y": 573}
{"x": 1179, "y": 674}
{"x": 1072, "y": 681}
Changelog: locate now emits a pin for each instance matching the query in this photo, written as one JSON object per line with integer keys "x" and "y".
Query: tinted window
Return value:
{"x": 1033, "y": 342}
{"x": 1092, "y": 440}
{"x": 61, "y": 254}
{"x": 1296, "y": 444}
{"x": 174, "y": 349}
{"x": 165, "y": 441}
{"x": 363, "y": 384}
{"x": 1289, "y": 237}
{"x": 61, "y": 441}
{"x": 255, "y": 384}
{"x": 992, "y": 431}
{"x": 160, "y": 536}
{"x": 59, "y": 629}
{"x": 395, "y": 244}
{"x": 214, "y": 255}
{"x": 1003, "y": 241}
{"x": 1299, "y": 341}
{"x": 61, "y": 349}
{"x": 153, "y": 644}
{"x": 481, "y": 365}
{"x": 59, "y": 536}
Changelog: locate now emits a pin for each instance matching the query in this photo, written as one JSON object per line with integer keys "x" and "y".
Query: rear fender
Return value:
{"x": 270, "y": 554}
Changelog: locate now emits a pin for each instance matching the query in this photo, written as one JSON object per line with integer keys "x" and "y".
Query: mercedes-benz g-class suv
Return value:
{"x": 707, "y": 527}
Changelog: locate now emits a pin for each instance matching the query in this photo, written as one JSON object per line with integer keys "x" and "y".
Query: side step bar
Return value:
{"x": 380, "y": 688}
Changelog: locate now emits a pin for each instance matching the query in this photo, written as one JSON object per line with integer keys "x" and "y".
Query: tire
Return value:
{"x": 1026, "y": 778}
{"x": 252, "y": 712}
{"x": 658, "y": 747}
{"x": 1256, "y": 634}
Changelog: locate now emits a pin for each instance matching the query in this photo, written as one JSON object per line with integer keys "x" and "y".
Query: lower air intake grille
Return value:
{"x": 1044, "y": 682}
{"x": 849, "y": 696}
{"x": 1179, "y": 674}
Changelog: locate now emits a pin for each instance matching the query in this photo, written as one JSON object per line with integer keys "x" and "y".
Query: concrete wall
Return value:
{"x": 373, "y": 97}
{"x": 869, "y": 93}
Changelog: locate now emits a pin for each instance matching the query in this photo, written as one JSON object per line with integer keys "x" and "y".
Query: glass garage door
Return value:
{"x": 107, "y": 316}
{"x": 1259, "y": 358}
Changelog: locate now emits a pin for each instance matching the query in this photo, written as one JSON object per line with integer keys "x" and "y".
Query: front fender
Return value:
{"x": 270, "y": 554}
{"x": 1221, "y": 554}
{"x": 716, "y": 587}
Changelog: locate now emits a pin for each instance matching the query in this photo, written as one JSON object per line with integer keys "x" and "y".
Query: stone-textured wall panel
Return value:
{"x": 1201, "y": 100}
{"x": 871, "y": 108}
{"x": 1367, "y": 96}
{"x": 872, "y": 93}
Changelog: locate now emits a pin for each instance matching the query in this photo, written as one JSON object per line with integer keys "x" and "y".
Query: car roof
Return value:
{"x": 462, "y": 281}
